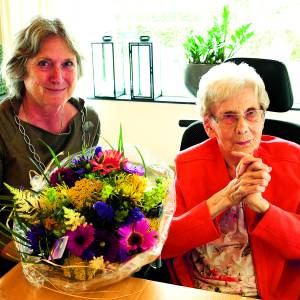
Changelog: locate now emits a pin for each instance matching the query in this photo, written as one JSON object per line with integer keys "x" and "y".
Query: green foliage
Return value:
{"x": 3, "y": 88}
{"x": 154, "y": 197}
{"x": 219, "y": 44}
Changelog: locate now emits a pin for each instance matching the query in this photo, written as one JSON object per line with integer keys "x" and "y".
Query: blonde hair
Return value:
{"x": 226, "y": 80}
{"x": 27, "y": 45}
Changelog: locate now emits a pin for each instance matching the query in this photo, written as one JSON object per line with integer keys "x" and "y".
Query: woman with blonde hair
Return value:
{"x": 42, "y": 74}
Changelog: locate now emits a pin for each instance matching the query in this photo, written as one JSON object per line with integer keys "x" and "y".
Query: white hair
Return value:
{"x": 226, "y": 80}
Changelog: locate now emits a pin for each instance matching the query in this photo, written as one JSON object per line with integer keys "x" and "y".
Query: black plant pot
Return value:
{"x": 193, "y": 74}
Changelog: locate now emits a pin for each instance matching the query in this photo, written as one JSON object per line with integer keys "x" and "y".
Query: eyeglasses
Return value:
{"x": 251, "y": 116}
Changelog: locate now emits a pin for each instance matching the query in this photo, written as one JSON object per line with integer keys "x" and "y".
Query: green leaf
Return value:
{"x": 142, "y": 159}
{"x": 120, "y": 142}
{"x": 13, "y": 233}
{"x": 6, "y": 198}
{"x": 107, "y": 142}
{"x": 57, "y": 162}
{"x": 218, "y": 44}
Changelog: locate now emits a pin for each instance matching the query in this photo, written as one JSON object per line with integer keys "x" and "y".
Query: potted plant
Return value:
{"x": 203, "y": 52}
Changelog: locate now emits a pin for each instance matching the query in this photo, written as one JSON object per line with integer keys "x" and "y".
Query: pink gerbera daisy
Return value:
{"x": 80, "y": 239}
{"x": 137, "y": 236}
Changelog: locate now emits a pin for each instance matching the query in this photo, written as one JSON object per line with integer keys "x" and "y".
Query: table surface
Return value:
{"x": 14, "y": 286}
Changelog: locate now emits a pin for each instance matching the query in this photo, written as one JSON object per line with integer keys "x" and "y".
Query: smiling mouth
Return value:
{"x": 55, "y": 90}
{"x": 243, "y": 143}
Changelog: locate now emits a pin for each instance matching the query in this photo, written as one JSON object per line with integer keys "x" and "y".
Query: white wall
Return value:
{"x": 153, "y": 127}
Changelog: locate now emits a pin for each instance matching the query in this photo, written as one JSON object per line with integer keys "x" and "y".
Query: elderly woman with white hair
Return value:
{"x": 236, "y": 228}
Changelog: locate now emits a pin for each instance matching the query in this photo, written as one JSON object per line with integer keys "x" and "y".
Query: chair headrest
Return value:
{"x": 276, "y": 78}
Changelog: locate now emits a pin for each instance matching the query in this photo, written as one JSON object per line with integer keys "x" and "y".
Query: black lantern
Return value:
{"x": 144, "y": 70}
{"x": 108, "y": 73}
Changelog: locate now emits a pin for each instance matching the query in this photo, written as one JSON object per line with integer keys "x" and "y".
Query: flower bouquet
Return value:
{"x": 93, "y": 220}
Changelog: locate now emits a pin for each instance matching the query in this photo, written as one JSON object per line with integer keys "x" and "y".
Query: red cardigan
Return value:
{"x": 274, "y": 237}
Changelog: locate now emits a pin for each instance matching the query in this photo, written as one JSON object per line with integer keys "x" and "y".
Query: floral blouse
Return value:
{"x": 225, "y": 265}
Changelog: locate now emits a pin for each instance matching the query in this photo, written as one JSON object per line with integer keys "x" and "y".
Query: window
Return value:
{"x": 277, "y": 34}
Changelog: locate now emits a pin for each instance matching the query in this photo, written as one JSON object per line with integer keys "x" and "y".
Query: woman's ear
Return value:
{"x": 208, "y": 127}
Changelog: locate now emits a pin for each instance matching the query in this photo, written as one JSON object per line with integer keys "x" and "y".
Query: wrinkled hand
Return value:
{"x": 235, "y": 192}
{"x": 252, "y": 178}
{"x": 251, "y": 171}
{"x": 239, "y": 188}
{"x": 249, "y": 162}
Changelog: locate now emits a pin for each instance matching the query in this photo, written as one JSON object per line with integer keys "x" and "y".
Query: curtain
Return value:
{"x": 14, "y": 15}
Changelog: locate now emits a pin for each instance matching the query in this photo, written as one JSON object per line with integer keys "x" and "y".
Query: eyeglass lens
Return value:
{"x": 251, "y": 116}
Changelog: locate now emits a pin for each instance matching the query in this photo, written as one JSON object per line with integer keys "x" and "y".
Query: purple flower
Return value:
{"x": 61, "y": 175}
{"x": 98, "y": 150}
{"x": 123, "y": 255}
{"x": 106, "y": 244}
{"x": 36, "y": 236}
{"x": 80, "y": 239}
{"x": 81, "y": 160}
{"x": 136, "y": 237}
{"x": 134, "y": 215}
{"x": 81, "y": 171}
{"x": 104, "y": 211}
{"x": 88, "y": 254}
{"x": 131, "y": 168}
{"x": 81, "y": 165}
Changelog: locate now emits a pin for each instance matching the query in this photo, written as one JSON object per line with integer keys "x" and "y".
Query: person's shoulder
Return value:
{"x": 80, "y": 104}
{"x": 206, "y": 150}
{"x": 91, "y": 109}
{"x": 5, "y": 104}
{"x": 7, "y": 107}
{"x": 280, "y": 149}
{"x": 77, "y": 102}
{"x": 89, "y": 116}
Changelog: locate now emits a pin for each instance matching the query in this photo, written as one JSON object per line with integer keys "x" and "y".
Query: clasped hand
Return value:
{"x": 252, "y": 178}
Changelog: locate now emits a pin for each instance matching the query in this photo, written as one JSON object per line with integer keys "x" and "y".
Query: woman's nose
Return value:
{"x": 242, "y": 125}
{"x": 56, "y": 74}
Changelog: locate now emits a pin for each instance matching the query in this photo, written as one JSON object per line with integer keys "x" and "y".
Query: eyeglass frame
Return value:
{"x": 238, "y": 116}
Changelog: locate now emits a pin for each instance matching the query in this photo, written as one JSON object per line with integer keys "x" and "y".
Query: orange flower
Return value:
{"x": 49, "y": 222}
{"x": 108, "y": 161}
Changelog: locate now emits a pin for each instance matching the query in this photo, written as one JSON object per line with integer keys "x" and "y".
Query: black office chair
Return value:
{"x": 278, "y": 87}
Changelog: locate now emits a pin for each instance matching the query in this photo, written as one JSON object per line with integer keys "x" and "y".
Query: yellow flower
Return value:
{"x": 131, "y": 185}
{"x": 90, "y": 273}
{"x": 154, "y": 223}
{"x": 97, "y": 263}
{"x": 52, "y": 198}
{"x": 72, "y": 218}
{"x": 67, "y": 271}
{"x": 76, "y": 268}
{"x": 85, "y": 192}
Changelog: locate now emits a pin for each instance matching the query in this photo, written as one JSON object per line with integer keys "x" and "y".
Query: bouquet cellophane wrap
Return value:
{"x": 41, "y": 272}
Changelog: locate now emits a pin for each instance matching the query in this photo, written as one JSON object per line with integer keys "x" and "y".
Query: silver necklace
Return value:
{"x": 31, "y": 148}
